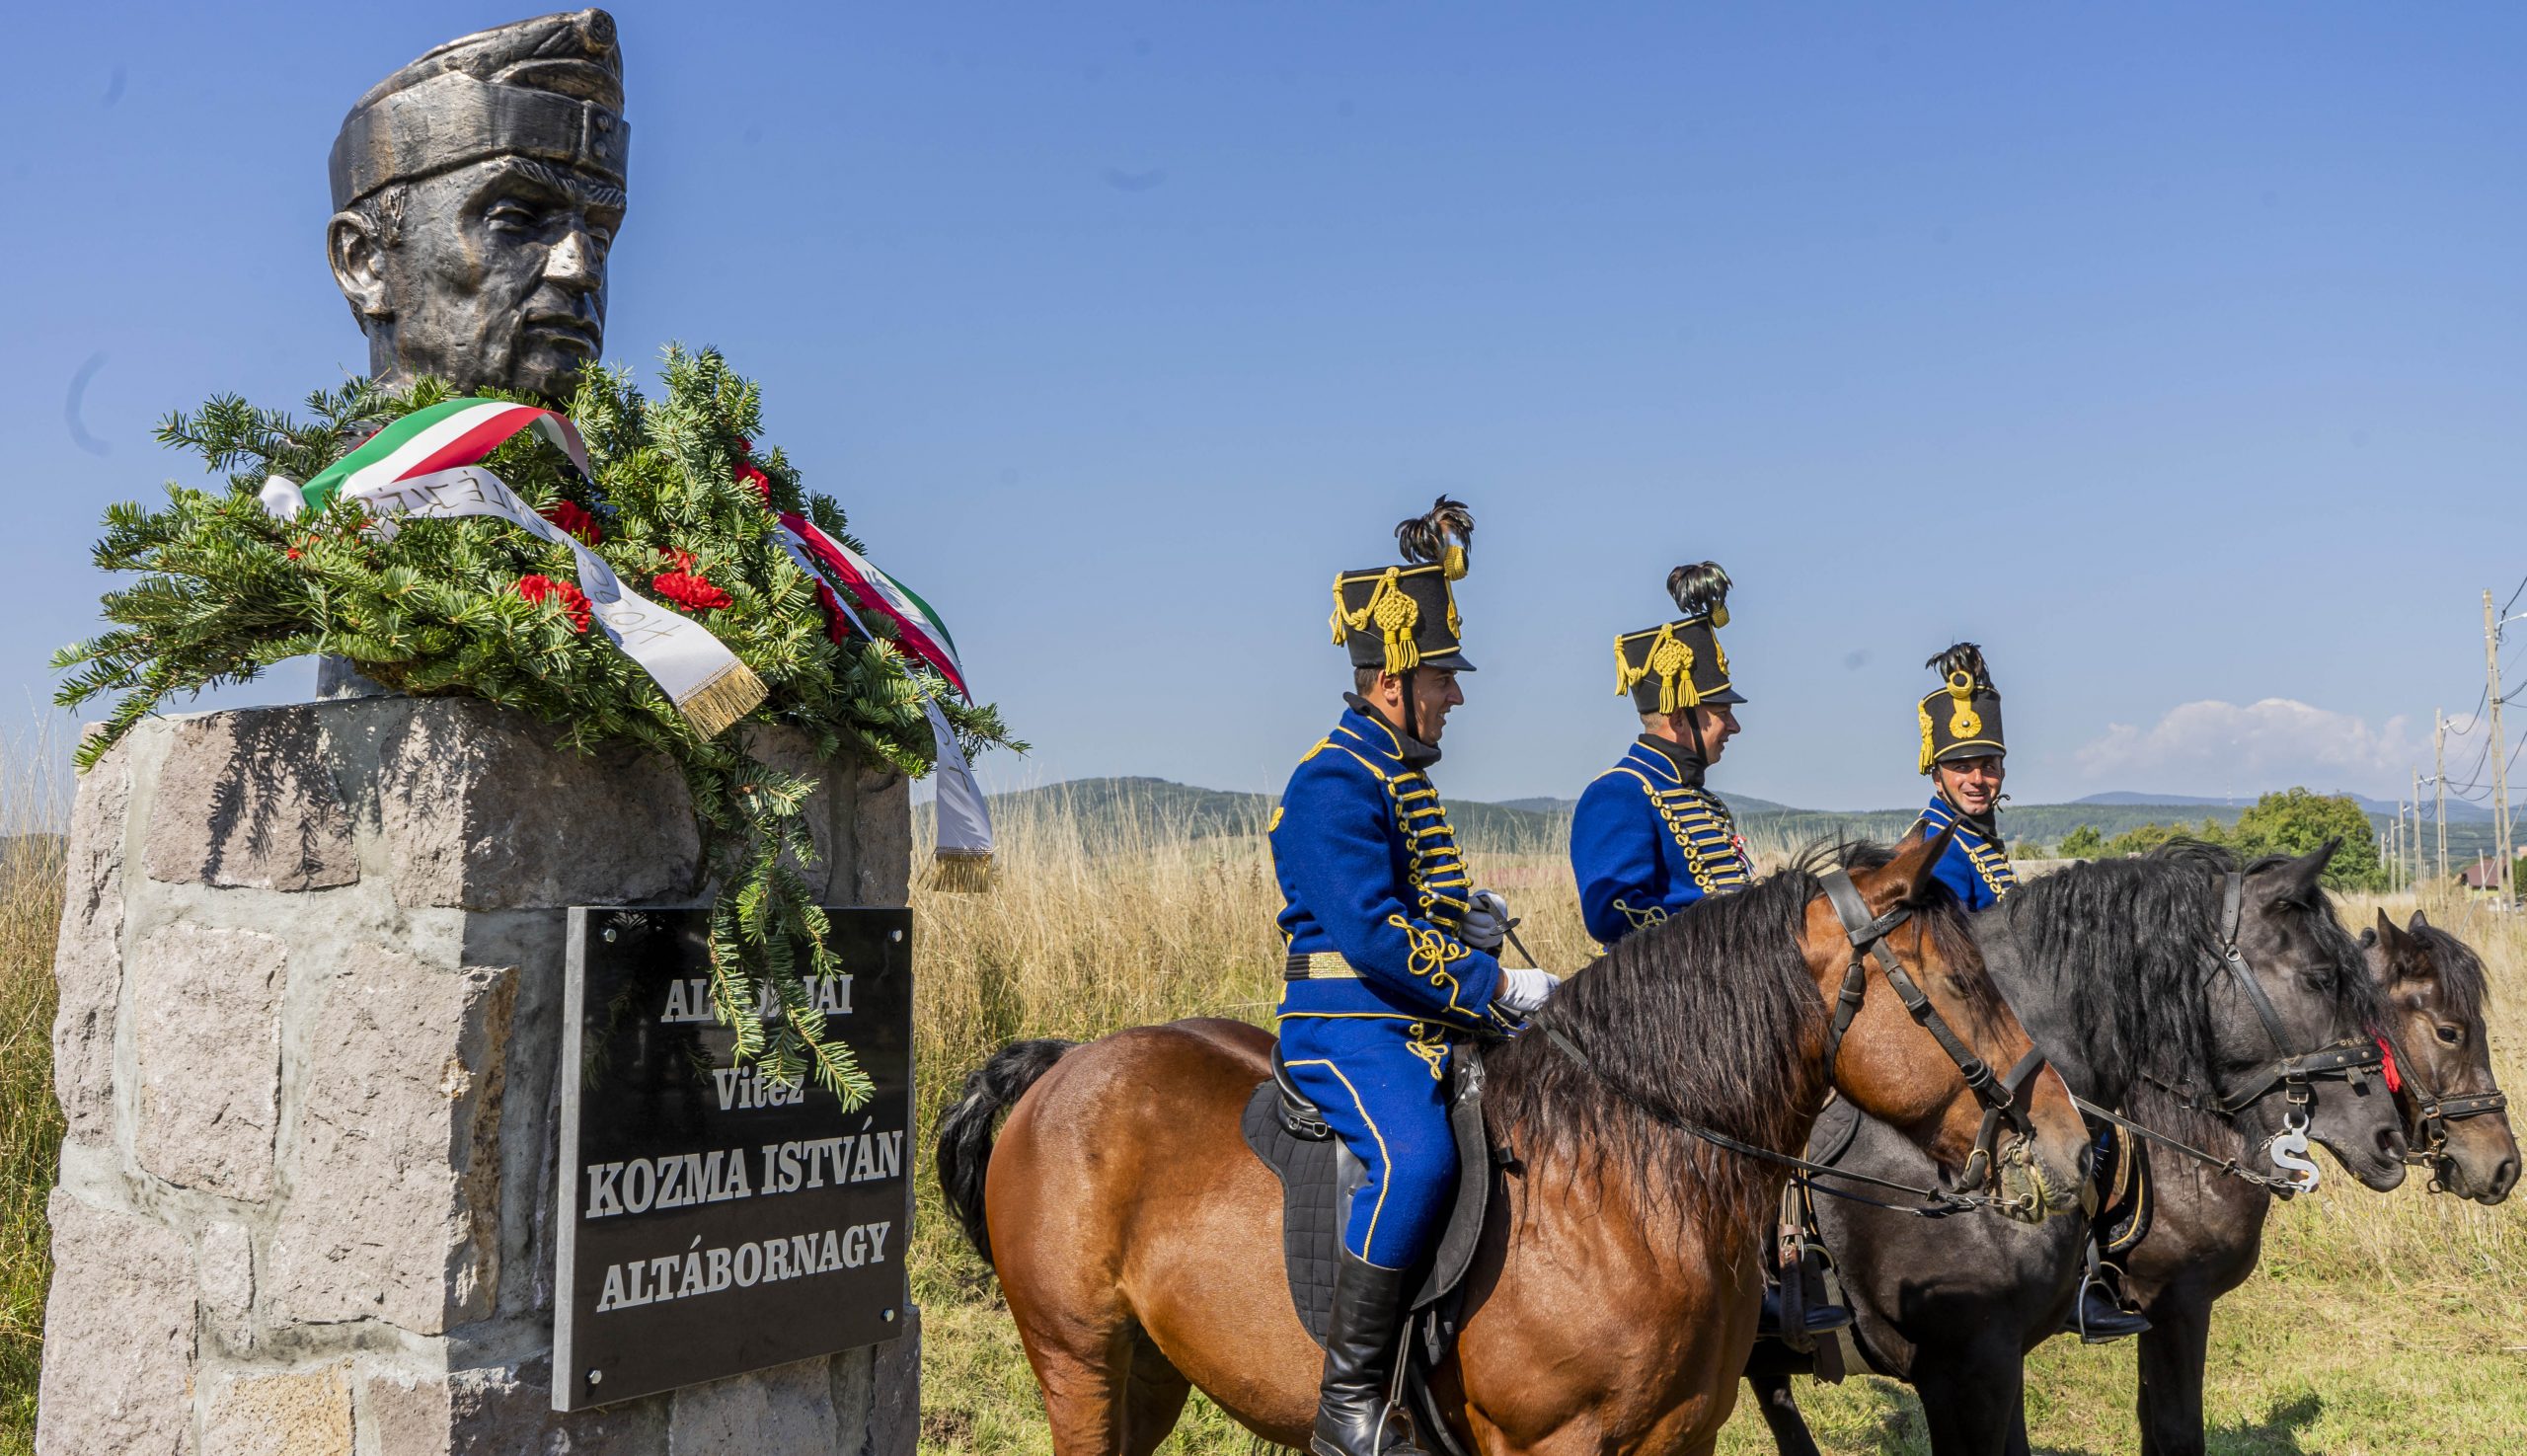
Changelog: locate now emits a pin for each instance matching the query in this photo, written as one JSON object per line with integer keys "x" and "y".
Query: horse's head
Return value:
{"x": 2454, "y": 1116}
{"x": 2317, "y": 998}
{"x": 1905, "y": 980}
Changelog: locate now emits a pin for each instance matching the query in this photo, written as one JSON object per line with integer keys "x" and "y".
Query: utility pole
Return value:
{"x": 2439, "y": 777}
{"x": 2498, "y": 752}
{"x": 2420, "y": 872}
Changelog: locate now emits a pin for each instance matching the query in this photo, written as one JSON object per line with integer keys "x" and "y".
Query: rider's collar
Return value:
{"x": 1688, "y": 768}
{"x": 1987, "y": 826}
{"x": 1414, "y": 754}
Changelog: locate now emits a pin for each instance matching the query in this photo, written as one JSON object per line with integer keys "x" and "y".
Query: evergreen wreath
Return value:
{"x": 682, "y": 507}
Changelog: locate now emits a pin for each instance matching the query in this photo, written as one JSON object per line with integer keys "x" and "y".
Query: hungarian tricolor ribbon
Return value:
{"x": 425, "y": 464}
{"x": 965, "y": 821}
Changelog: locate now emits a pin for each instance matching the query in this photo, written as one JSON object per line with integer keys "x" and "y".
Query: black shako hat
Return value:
{"x": 1402, "y": 617}
{"x": 1679, "y": 664}
{"x": 1961, "y": 719}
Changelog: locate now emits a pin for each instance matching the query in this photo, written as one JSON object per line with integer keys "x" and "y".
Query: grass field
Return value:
{"x": 2379, "y": 1324}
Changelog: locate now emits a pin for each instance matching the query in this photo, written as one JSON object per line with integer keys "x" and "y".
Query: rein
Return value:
{"x": 2000, "y": 1104}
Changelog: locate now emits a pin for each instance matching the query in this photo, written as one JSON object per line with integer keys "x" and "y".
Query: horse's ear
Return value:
{"x": 1907, "y": 875}
{"x": 2388, "y": 935}
{"x": 2416, "y": 925}
{"x": 2296, "y": 879}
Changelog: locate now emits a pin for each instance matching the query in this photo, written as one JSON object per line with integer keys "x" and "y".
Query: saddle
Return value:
{"x": 1319, "y": 1177}
{"x": 2125, "y": 1208}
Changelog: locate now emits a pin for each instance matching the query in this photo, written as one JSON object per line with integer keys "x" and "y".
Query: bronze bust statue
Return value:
{"x": 476, "y": 191}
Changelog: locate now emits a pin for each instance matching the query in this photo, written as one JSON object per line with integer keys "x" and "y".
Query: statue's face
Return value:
{"x": 496, "y": 277}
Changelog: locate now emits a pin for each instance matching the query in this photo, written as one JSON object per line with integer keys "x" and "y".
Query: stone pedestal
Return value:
{"x": 311, "y": 978}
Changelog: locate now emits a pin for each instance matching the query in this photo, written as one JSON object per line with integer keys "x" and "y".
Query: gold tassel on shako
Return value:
{"x": 1673, "y": 661}
{"x": 1395, "y": 614}
{"x": 1922, "y": 710}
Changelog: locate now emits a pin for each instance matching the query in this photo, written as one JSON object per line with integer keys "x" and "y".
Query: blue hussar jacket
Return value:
{"x": 1374, "y": 888}
{"x": 1977, "y": 863}
{"x": 1647, "y": 840}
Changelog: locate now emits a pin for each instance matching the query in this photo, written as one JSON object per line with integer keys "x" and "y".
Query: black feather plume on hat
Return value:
{"x": 1427, "y": 538}
{"x": 1700, "y": 590}
{"x": 1964, "y": 657}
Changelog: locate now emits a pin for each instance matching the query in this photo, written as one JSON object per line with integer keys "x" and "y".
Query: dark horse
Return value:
{"x": 2209, "y": 1231}
{"x": 1613, "y": 1297}
{"x": 2116, "y": 970}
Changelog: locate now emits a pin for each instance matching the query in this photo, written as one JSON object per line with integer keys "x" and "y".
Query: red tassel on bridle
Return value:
{"x": 2387, "y": 1065}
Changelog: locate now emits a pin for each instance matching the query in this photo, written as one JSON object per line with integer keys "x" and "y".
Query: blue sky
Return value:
{"x": 2176, "y": 353}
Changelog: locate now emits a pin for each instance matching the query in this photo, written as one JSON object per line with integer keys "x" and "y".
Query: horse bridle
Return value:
{"x": 2291, "y": 1071}
{"x": 2433, "y": 1111}
{"x": 1999, "y": 1095}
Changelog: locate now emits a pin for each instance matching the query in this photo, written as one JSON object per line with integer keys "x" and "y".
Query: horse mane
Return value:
{"x": 2121, "y": 942}
{"x": 2462, "y": 984}
{"x": 1709, "y": 1016}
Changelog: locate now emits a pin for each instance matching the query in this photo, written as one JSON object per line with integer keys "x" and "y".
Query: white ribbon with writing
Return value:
{"x": 695, "y": 670}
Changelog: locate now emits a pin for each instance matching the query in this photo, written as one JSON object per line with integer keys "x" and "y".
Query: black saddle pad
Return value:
{"x": 1319, "y": 1176}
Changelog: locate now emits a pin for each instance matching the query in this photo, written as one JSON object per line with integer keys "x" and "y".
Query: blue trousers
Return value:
{"x": 1381, "y": 1083}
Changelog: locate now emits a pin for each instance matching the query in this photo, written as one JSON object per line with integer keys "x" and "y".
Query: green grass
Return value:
{"x": 29, "y": 1121}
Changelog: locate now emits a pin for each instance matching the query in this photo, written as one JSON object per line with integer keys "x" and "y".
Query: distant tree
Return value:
{"x": 2294, "y": 821}
{"x": 2147, "y": 837}
{"x": 2082, "y": 843}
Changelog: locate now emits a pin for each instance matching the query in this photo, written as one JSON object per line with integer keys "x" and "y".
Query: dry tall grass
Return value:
{"x": 2378, "y": 1324}
{"x": 31, "y": 811}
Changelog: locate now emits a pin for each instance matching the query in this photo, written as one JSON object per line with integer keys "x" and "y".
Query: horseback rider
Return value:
{"x": 1648, "y": 839}
{"x": 1392, "y": 954}
{"x": 1966, "y": 756}
{"x": 1963, "y": 754}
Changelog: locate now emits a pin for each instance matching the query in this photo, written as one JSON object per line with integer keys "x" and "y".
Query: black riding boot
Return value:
{"x": 2098, "y": 1318}
{"x": 1360, "y": 1361}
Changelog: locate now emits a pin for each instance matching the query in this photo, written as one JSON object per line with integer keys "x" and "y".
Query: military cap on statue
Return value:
{"x": 549, "y": 87}
{"x": 1402, "y": 617}
{"x": 1963, "y": 718}
{"x": 1679, "y": 665}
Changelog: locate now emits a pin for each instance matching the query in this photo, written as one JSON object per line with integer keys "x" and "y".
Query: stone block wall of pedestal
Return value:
{"x": 311, "y": 967}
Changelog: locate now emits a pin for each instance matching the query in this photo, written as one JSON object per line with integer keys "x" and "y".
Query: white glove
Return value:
{"x": 1522, "y": 990}
{"x": 1487, "y": 922}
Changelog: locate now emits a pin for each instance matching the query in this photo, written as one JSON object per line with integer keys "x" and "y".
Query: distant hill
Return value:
{"x": 1151, "y": 808}
{"x": 2459, "y": 810}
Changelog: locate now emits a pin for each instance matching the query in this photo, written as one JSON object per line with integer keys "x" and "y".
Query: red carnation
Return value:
{"x": 746, "y": 474}
{"x": 570, "y": 599}
{"x": 689, "y": 591}
{"x": 679, "y": 559}
{"x": 571, "y": 517}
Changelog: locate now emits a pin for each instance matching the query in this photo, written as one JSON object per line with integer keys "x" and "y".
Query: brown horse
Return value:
{"x": 1614, "y": 1295}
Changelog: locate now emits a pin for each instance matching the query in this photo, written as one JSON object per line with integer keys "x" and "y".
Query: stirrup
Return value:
{"x": 2113, "y": 1322}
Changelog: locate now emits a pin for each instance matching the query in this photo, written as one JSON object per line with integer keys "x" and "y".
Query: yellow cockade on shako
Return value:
{"x": 1963, "y": 720}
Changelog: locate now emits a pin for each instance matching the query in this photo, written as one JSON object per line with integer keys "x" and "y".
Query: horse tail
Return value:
{"x": 966, "y": 1129}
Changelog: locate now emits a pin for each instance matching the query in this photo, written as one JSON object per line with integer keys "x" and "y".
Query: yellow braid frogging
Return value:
{"x": 1425, "y": 1041}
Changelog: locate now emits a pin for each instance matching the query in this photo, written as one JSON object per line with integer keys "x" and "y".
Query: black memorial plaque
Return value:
{"x": 713, "y": 1222}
